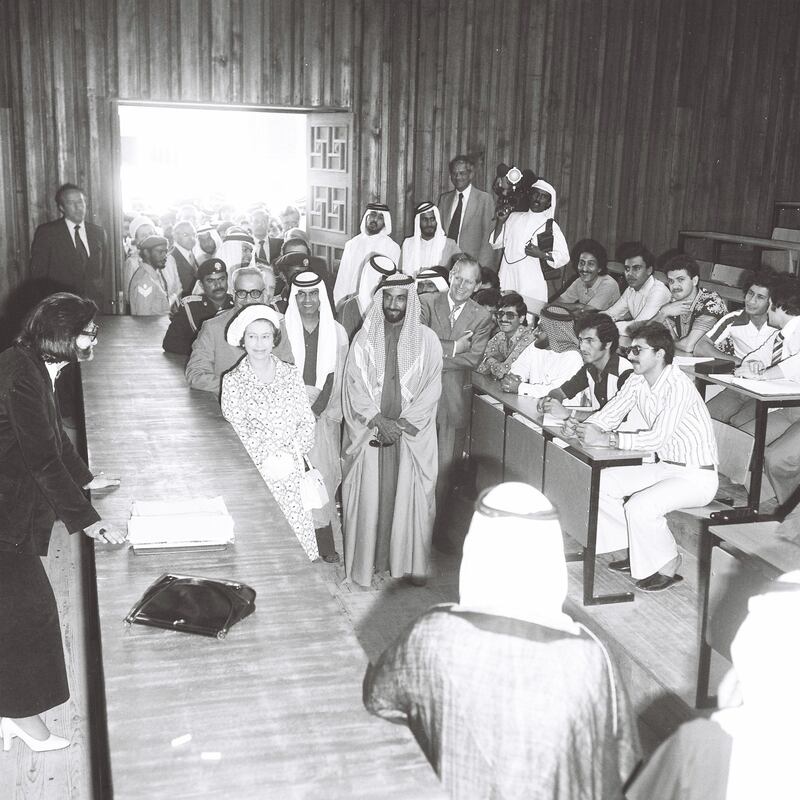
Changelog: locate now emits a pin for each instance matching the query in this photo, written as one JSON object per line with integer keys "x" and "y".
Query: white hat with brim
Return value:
{"x": 236, "y": 327}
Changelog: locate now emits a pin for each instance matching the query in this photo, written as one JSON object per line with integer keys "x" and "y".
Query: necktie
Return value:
{"x": 453, "y": 311}
{"x": 455, "y": 222}
{"x": 80, "y": 247}
{"x": 777, "y": 349}
{"x": 262, "y": 253}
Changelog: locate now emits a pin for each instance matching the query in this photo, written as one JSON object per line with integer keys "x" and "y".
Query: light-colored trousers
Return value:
{"x": 639, "y": 522}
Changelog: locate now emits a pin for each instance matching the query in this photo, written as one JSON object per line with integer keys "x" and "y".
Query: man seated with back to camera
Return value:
{"x": 211, "y": 355}
{"x": 634, "y": 500}
{"x": 602, "y": 375}
{"x": 195, "y": 309}
{"x": 692, "y": 310}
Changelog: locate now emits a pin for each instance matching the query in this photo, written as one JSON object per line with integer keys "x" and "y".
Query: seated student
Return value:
{"x": 505, "y": 693}
{"x": 515, "y": 335}
{"x": 692, "y": 311}
{"x": 645, "y": 294}
{"x": 538, "y": 370}
{"x": 748, "y": 749}
{"x": 634, "y": 500}
{"x": 603, "y": 372}
{"x": 593, "y": 289}
{"x": 778, "y": 357}
{"x": 738, "y": 333}
{"x": 432, "y": 280}
{"x": 195, "y": 309}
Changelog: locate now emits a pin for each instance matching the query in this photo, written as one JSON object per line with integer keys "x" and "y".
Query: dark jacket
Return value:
{"x": 56, "y": 264}
{"x": 185, "y": 323}
{"x": 41, "y": 474}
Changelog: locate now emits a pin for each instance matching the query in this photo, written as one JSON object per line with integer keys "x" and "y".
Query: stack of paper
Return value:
{"x": 184, "y": 523}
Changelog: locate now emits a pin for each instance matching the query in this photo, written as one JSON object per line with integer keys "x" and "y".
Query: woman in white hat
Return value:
{"x": 265, "y": 401}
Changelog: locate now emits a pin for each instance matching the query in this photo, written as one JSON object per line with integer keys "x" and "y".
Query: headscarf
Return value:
{"x": 387, "y": 219}
{"x": 515, "y": 250}
{"x": 764, "y": 728}
{"x": 233, "y": 247}
{"x": 200, "y": 255}
{"x": 435, "y": 276}
{"x": 327, "y": 340}
{"x": 375, "y": 269}
{"x": 513, "y": 563}
{"x": 236, "y": 327}
{"x": 137, "y": 223}
{"x": 409, "y": 345}
{"x": 426, "y": 253}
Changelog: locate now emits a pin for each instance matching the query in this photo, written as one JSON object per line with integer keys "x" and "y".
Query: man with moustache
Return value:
{"x": 645, "y": 294}
{"x": 428, "y": 247}
{"x": 149, "y": 291}
{"x": 634, "y": 500}
{"x": 195, "y": 309}
{"x": 374, "y": 239}
{"x": 211, "y": 354}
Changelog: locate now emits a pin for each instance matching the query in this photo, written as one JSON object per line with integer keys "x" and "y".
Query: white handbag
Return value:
{"x": 313, "y": 493}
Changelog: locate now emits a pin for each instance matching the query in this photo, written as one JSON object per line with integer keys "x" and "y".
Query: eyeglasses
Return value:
{"x": 636, "y": 349}
{"x": 92, "y": 332}
{"x": 253, "y": 294}
{"x": 507, "y": 315}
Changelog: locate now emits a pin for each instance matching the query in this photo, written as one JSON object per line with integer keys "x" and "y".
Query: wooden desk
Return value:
{"x": 763, "y": 404}
{"x": 718, "y": 239}
{"x": 737, "y": 561}
{"x": 567, "y": 472}
{"x": 277, "y": 705}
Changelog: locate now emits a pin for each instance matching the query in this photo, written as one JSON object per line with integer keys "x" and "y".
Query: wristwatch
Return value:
{"x": 613, "y": 439}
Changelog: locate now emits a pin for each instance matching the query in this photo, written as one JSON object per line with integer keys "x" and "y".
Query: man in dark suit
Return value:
{"x": 463, "y": 328}
{"x": 69, "y": 254}
{"x": 467, "y": 214}
{"x": 267, "y": 248}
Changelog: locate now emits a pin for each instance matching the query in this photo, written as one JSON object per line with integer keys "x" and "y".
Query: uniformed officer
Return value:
{"x": 195, "y": 309}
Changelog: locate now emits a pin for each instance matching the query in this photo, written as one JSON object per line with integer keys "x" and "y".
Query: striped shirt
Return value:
{"x": 790, "y": 354}
{"x": 679, "y": 425}
{"x": 736, "y": 335}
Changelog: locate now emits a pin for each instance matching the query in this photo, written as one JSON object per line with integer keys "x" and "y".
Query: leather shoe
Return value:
{"x": 331, "y": 558}
{"x": 623, "y": 565}
{"x": 658, "y": 582}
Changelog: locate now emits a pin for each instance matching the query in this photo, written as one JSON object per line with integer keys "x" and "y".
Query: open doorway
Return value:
{"x": 227, "y": 161}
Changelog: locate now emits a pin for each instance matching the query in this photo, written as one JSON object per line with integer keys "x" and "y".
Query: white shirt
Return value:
{"x": 679, "y": 425}
{"x": 544, "y": 370}
{"x": 640, "y": 304}
{"x": 790, "y": 356}
{"x": 81, "y": 232}
{"x": 466, "y": 192}
{"x": 737, "y": 328}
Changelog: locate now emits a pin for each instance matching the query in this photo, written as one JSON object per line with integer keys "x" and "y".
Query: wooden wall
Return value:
{"x": 647, "y": 115}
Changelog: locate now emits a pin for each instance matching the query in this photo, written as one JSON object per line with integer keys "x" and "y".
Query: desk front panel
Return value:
{"x": 524, "y": 454}
{"x": 567, "y": 485}
{"x": 486, "y": 442}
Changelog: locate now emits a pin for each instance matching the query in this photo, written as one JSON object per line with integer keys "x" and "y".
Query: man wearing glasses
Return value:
{"x": 678, "y": 429}
{"x": 211, "y": 355}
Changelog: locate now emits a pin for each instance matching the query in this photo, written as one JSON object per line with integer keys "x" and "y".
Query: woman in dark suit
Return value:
{"x": 42, "y": 478}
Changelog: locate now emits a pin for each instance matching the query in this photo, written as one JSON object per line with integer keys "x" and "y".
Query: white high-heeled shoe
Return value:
{"x": 9, "y": 729}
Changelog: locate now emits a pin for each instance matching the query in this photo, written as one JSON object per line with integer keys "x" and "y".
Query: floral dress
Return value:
{"x": 501, "y": 354}
{"x": 272, "y": 419}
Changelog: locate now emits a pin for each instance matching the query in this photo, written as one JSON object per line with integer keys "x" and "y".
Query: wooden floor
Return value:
{"x": 653, "y": 640}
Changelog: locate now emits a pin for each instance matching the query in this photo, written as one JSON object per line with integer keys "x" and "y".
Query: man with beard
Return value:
{"x": 635, "y": 500}
{"x": 428, "y": 247}
{"x": 197, "y": 308}
{"x": 374, "y": 239}
{"x": 208, "y": 243}
{"x": 211, "y": 354}
{"x": 149, "y": 292}
{"x": 645, "y": 294}
{"x": 392, "y": 383}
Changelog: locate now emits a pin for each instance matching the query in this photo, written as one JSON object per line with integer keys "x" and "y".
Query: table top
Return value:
{"x": 775, "y": 543}
{"x": 275, "y": 710}
{"x": 527, "y": 407}
{"x": 755, "y": 241}
{"x": 775, "y": 399}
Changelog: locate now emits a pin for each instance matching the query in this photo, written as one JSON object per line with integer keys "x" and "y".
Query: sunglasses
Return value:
{"x": 507, "y": 315}
{"x": 253, "y": 294}
{"x": 636, "y": 349}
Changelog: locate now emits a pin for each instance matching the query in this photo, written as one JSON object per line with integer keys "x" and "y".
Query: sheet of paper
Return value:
{"x": 527, "y": 422}
{"x": 181, "y": 523}
{"x": 766, "y": 388}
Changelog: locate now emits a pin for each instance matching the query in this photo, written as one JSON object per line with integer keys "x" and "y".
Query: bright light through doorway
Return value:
{"x": 215, "y": 159}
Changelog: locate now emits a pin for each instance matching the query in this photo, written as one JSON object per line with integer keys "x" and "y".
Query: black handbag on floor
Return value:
{"x": 206, "y": 606}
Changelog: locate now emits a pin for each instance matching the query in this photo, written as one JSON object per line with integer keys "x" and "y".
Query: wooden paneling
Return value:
{"x": 647, "y": 115}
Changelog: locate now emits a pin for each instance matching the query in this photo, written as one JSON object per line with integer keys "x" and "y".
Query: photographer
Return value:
{"x": 534, "y": 248}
